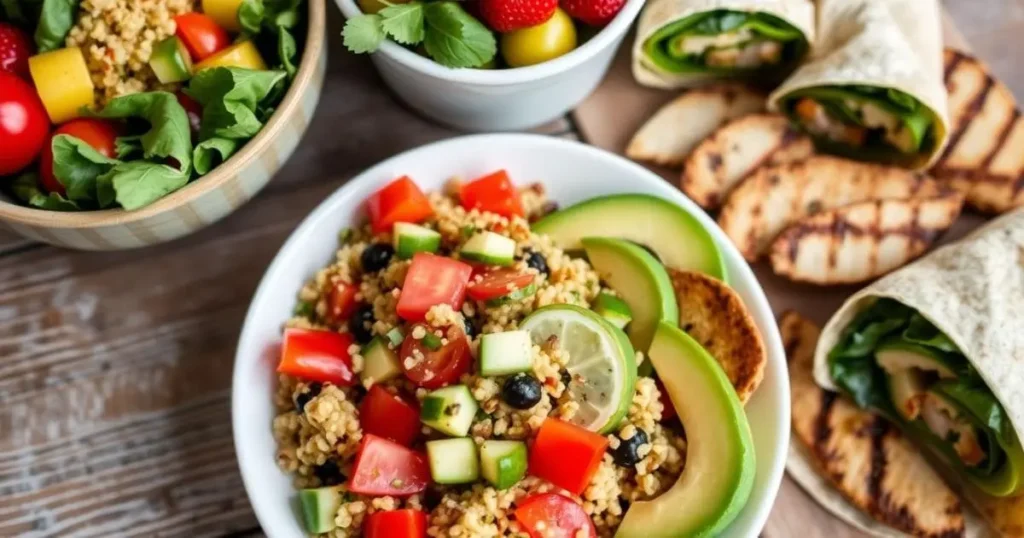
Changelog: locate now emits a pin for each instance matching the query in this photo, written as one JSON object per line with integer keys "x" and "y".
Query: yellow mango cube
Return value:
{"x": 242, "y": 54}
{"x": 63, "y": 82}
{"x": 224, "y": 13}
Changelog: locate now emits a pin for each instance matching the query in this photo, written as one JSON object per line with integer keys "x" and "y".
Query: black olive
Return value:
{"x": 360, "y": 324}
{"x": 376, "y": 257}
{"x": 312, "y": 391}
{"x": 329, "y": 473}
{"x": 626, "y": 453}
{"x": 536, "y": 260}
{"x": 566, "y": 377}
{"x": 521, "y": 391}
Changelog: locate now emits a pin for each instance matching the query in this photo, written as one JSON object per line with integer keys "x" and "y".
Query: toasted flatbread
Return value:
{"x": 864, "y": 457}
{"x": 862, "y": 241}
{"x": 985, "y": 155}
{"x": 714, "y": 315}
{"x": 718, "y": 163}
{"x": 775, "y": 196}
{"x": 676, "y": 128}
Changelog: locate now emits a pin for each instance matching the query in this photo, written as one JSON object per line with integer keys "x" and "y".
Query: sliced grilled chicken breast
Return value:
{"x": 736, "y": 149}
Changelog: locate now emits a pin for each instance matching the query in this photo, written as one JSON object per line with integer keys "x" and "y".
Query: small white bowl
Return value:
{"x": 500, "y": 99}
{"x": 571, "y": 172}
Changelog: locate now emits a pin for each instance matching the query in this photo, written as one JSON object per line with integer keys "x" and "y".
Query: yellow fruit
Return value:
{"x": 62, "y": 81}
{"x": 536, "y": 44}
{"x": 224, "y": 13}
{"x": 243, "y": 54}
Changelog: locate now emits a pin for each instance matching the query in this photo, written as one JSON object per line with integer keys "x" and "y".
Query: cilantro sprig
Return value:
{"x": 451, "y": 36}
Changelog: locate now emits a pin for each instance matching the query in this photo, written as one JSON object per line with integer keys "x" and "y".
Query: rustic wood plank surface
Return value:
{"x": 115, "y": 367}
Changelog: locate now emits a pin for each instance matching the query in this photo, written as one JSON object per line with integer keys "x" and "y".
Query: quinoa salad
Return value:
{"x": 453, "y": 372}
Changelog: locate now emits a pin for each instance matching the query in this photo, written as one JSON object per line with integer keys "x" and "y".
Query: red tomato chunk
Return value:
{"x": 549, "y": 515}
{"x": 389, "y": 416}
{"x": 498, "y": 283}
{"x": 385, "y": 467}
{"x": 404, "y": 523}
{"x": 433, "y": 369}
{"x": 432, "y": 280}
{"x": 494, "y": 193}
{"x": 202, "y": 36}
{"x": 399, "y": 201}
{"x": 566, "y": 455}
{"x": 317, "y": 356}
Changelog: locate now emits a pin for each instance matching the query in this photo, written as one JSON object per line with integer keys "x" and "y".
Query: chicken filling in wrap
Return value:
{"x": 724, "y": 40}
{"x": 871, "y": 122}
{"x": 892, "y": 360}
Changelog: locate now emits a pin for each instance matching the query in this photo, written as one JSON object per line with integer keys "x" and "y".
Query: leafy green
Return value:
{"x": 77, "y": 165}
{"x": 250, "y": 16}
{"x": 230, "y": 98}
{"x": 26, "y": 188}
{"x": 453, "y": 38}
{"x": 211, "y": 152}
{"x": 404, "y": 23}
{"x": 137, "y": 184}
{"x": 168, "y": 134}
{"x": 273, "y": 21}
{"x": 364, "y": 33}
{"x": 56, "y": 18}
{"x": 922, "y": 332}
{"x": 14, "y": 11}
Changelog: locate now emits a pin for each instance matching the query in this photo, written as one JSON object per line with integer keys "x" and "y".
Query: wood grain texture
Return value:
{"x": 115, "y": 367}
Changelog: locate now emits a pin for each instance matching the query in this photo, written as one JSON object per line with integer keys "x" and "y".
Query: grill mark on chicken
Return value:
{"x": 952, "y": 61}
{"x": 973, "y": 108}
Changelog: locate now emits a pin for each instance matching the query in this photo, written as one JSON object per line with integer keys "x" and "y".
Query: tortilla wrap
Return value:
{"x": 660, "y": 13}
{"x": 890, "y": 44}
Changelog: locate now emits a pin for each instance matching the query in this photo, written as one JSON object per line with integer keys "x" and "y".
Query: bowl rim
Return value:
{"x": 314, "y": 49}
{"x": 759, "y": 306}
{"x": 604, "y": 38}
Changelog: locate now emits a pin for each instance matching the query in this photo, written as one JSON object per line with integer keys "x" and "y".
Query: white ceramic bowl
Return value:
{"x": 571, "y": 172}
{"x": 500, "y": 99}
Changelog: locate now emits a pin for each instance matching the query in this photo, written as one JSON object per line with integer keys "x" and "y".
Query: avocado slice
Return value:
{"x": 640, "y": 280}
{"x": 719, "y": 473}
{"x": 677, "y": 236}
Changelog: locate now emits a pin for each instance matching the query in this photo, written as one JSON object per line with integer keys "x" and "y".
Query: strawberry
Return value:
{"x": 593, "y": 12}
{"x": 15, "y": 48}
{"x": 509, "y": 15}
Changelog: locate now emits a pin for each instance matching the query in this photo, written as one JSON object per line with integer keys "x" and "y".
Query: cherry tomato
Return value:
{"x": 432, "y": 280}
{"x": 389, "y": 416}
{"x": 23, "y": 124}
{"x": 193, "y": 110}
{"x": 549, "y": 515}
{"x": 536, "y": 44}
{"x": 99, "y": 134}
{"x": 317, "y": 356}
{"x": 385, "y": 467}
{"x": 566, "y": 455}
{"x": 202, "y": 36}
{"x": 404, "y": 523}
{"x": 435, "y": 368}
{"x": 497, "y": 283}
{"x": 341, "y": 301}
{"x": 494, "y": 193}
{"x": 399, "y": 201}
{"x": 15, "y": 49}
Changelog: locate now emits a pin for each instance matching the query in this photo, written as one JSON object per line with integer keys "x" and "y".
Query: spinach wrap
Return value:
{"x": 682, "y": 43}
{"x": 938, "y": 348}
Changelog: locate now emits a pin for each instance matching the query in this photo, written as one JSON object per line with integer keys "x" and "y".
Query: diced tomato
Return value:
{"x": 550, "y": 515}
{"x": 432, "y": 280}
{"x": 494, "y": 193}
{"x": 202, "y": 36}
{"x": 436, "y": 368}
{"x": 385, "y": 467}
{"x": 404, "y": 523}
{"x": 317, "y": 356}
{"x": 389, "y": 416}
{"x": 497, "y": 283}
{"x": 566, "y": 455}
{"x": 341, "y": 301}
{"x": 669, "y": 411}
{"x": 400, "y": 201}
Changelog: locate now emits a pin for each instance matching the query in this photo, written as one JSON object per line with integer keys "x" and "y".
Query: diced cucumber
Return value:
{"x": 449, "y": 410}
{"x": 503, "y": 463}
{"x": 413, "y": 238}
{"x": 517, "y": 295}
{"x": 453, "y": 461}
{"x": 505, "y": 353}
{"x": 380, "y": 363}
{"x": 319, "y": 506}
{"x": 170, "y": 61}
{"x": 613, "y": 309}
{"x": 490, "y": 248}
{"x": 395, "y": 337}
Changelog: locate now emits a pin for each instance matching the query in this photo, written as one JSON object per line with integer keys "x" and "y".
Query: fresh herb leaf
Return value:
{"x": 404, "y": 22}
{"x": 211, "y": 152}
{"x": 250, "y": 16}
{"x": 26, "y": 188}
{"x": 230, "y": 97}
{"x": 454, "y": 38}
{"x": 139, "y": 183}
{"x": 168, "y": 134}
{"x": 56, "y": 18}
{"x": 271, "y": 22}
{"x": 364, "y": 33}
{"x": 77, "y": 165}
{"x": 128, "y": 146}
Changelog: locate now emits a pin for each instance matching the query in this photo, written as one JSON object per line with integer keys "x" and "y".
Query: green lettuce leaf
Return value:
{"x": 230, "y": 98}
{"x": 168, "y": 134}
{"x": 137, "y": 184}
{"x": 76, "y": 165}
{"x": 211, "y": 152}
{"x": 56, "y": 18}
{"x": 26, "y": 189}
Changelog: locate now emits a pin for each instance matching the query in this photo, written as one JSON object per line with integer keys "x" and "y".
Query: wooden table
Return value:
{"x": 115, "y": 367}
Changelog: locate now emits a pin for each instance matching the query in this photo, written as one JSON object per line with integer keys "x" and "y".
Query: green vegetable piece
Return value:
{"x": 230, "y": 97}
{"x": 170, "y": 61}
{"x": 319, "y": 506}
{"x": 454, "y": 38}
{"x": 517, "y": 295}
{"x": 404, "y": 23}
{"x": 56, "y": 18}
{"x": 395, "y": 337}
{"x": 503, "y": 463}
{"x": 613, "y": 309}
{"x": 26, "y": 188}
{"x": 363, "y": 34}
{"x": 432, "y": 341}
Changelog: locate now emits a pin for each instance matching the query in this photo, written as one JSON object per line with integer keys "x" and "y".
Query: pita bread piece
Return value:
{"x": 676, "y": 128}
{"x": 735, "y": 150}
{"x": 862, "y": 241}
{"x": 773, "y": 197}
{"x": 714, "y": 315}
{"x": 985, "y": 155}
{"x": 871, "y": 464}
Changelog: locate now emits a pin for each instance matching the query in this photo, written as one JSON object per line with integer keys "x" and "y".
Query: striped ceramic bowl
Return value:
{"x": 204, "y": 201}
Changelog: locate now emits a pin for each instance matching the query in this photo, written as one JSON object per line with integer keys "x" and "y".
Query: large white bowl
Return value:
{"x": 500, "y": 99}
{"x": 571, "y": 172}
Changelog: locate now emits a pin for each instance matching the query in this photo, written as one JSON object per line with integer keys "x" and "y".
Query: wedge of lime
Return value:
{"x": 601, "y": 361}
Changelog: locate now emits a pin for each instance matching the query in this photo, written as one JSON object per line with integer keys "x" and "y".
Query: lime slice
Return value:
{"x": 601, "y": 361}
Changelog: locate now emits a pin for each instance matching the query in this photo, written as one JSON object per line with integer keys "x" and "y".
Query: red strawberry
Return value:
{"x": 509, "y": 15}
{"x": 15, "y": 48}
{"x": 593, "y": 12}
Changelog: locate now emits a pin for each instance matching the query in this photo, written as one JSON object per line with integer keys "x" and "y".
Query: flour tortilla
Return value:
{"x": 659, "y": 13}
{"x": 884, "y": 43}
